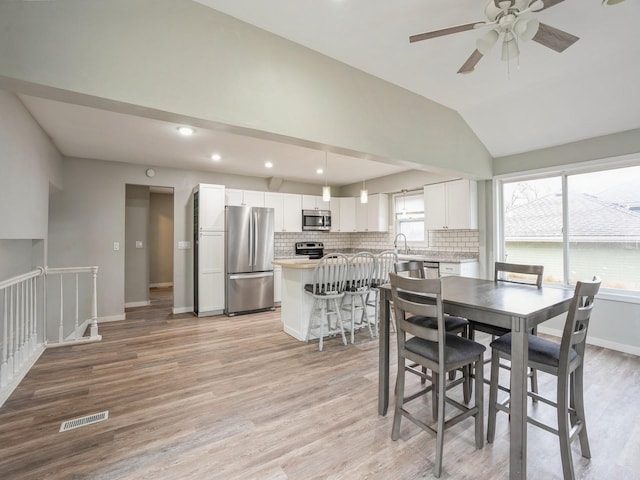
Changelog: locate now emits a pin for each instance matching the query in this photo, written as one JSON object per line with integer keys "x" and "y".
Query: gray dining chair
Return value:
{"x": 452, "y": 324}
{"x": 437, "y": 350}
{"x": 564, "y": 360}
{"x": 328, "y": 287}
{"x": 511, "y": 273}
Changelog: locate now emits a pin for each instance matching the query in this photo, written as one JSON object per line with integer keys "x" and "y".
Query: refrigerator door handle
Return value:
{"x": 251, "y": 241}
{"x": 256, "y": 235}
{"x": 250, "y": 275}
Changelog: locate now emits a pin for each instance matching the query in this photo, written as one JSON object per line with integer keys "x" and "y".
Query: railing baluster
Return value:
{"x": 4, "y": 374}
{"x": 12, "y": 331}
{"x": 61, "y": 326}
{"x": 94, "y": 303}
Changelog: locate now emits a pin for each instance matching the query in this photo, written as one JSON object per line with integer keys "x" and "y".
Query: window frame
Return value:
{"x": 397, "y": 221}
{"x": 565, "y": 171}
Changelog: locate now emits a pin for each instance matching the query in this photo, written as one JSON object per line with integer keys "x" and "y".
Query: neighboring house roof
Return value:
{"x": 625, "y": 195}
{"x": 590, "y": 219}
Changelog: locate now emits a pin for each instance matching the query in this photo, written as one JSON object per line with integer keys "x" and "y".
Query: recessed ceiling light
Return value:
{"x": 268, "y": 164}
{"x": 216, "y": 157}
{"x": 319, "y": 171}
{"x": 186, "y": 131}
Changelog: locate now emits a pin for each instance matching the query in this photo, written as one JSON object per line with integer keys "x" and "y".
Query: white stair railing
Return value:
{"x": 77, "y": 334}
{"x": 24, "y": 336}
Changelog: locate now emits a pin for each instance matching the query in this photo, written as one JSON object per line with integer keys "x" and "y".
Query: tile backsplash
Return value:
{"x": 455, "y": 241}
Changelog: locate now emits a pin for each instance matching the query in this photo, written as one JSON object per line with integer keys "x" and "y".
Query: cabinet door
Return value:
{"x": 252, "y": 198}
{"x": 347, "y": 214}
{"x": 335, "y": 214}
{"x": 309, "y": 202}
{"x": 211, "y": 207}
{"x": 322, "y": 205}
{"x": 211, "y": 282}
{"x": 378, "y": 213}
{"x": 461, "y": 204}
{"x": 275, "y": 201}
{"x": 362, "y": 216}
{"x": 435, "y": 207}
{"x": 233, "y": 197}
{"x": 292, "y": 212}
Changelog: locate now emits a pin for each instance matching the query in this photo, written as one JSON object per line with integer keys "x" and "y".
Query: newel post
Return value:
{"x": 94, "y": 303}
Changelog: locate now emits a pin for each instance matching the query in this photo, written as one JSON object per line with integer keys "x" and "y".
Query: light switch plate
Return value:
{"x": 138, "y": 243}
{"x": 116, "y": 246}
{"x": 184, "y": 245}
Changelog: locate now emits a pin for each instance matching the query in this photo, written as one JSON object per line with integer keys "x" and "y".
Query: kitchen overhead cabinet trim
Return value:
{"x": 451, "y": 205}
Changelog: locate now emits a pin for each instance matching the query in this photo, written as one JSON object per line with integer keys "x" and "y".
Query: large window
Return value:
{"x": 577, "y": 225}
{"x": 409, "y": 213}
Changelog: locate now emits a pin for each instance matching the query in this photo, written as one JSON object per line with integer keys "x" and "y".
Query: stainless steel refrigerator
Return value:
{"x": 248, "y": 259}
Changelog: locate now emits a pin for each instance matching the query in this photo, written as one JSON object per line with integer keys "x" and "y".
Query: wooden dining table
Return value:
{"x": 513, "y": 306}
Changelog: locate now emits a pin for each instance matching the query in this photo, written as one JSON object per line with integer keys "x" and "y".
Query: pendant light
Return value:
{"x": 364, "y": 194}
{"x": 326, "y": 190}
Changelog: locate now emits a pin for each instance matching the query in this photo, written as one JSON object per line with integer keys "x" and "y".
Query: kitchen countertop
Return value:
{"x": 441, "y": 257}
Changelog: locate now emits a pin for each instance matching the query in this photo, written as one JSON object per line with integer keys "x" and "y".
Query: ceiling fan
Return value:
{"x": 505, "y": 18}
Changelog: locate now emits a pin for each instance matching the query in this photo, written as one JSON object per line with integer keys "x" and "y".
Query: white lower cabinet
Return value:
{"x": 462, "y": 269}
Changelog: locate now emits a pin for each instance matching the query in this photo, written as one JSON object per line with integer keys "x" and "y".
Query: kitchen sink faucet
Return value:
{"x": 395, "y": 243}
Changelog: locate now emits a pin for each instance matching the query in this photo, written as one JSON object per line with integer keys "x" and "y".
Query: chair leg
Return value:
{"x": 397, "y": 413}
{"x": 435, "y": 381}
{"x": 440, "y": 382}
{"x": 365, "y": 314}
{"x": 466, "y": 385}
{"x": 493, "y": 394}
{"x": 339, "y": 315}
{"x": 479, "y": 399}
{"x": 323, "y": 316}
{"x": 534, "y": 383}
{"x": 353, "y": 320}
{"x": 577, "y": 402}
{"x": 563, "y": 428}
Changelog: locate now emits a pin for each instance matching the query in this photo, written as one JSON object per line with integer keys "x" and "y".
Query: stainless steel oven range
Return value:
{"x": 313, "y": 250}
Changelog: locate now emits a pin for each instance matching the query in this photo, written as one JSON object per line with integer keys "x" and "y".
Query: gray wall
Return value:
{"x": 173, "y": 59}
{"x": 28, "y": 164}
{"x": 136, "y": 260}
{"x": 161, "y": 239}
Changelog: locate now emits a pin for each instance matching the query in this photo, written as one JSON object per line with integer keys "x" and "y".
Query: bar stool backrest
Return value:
{"x": 330, "y": 275}
{"x": 361, "y": 270}
{"x": 385, "y": 264}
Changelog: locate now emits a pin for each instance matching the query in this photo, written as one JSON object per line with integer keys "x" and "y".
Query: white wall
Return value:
{"x": 175, "y": 59}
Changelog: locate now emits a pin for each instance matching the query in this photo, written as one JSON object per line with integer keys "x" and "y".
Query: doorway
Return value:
{"x": 149, "y": 218}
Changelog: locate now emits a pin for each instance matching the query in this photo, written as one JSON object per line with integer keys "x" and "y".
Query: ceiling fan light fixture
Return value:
{"x": 486, "y": 42}
{"x": 611, "y": 2}
{"x": 526, "y": 28}
{"x": 537, "y": 5}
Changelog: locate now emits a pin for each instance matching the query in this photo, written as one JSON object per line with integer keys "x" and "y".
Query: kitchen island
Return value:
{"x": 296, "y": 305}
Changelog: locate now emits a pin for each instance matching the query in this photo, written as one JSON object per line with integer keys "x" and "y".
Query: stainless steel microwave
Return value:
{"x": 316, "y": 220}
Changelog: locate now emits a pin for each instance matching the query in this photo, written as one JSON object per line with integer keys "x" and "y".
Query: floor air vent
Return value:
{"x": 82, "y": 421}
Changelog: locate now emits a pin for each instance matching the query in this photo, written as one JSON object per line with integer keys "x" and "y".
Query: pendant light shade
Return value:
{"x": 326, "y": 190}
{"x": 526, "y": 28}
{"x": 364, "y": 194}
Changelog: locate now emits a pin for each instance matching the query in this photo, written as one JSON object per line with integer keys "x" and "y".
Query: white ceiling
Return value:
{"x": 551, "y": 99}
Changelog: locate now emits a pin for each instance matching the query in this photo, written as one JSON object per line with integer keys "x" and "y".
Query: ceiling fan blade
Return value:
{"x": 471, "y": 62}
{"x": 553, "y": 38}
{"x": 444, "y": 31}
{"x": 549, "y": 4}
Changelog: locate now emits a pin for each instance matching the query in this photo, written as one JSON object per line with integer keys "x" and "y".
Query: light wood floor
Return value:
{"x": 236, "y": 398}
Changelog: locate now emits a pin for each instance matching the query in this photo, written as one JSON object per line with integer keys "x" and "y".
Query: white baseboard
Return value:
{"x": 144, "y": 303}
{"x": 161, "y": 285}
{"x": 598, "y": 342}
{"x": 112, "y": 318}
{"x": 177, "y": 310}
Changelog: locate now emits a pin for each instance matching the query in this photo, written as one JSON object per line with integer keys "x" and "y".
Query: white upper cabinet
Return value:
{"x": 335, "y": 214}
{"x": 314, "y": 202}
{"x": 245, "y": 198}
{"x": 347, "y": 220}
{"x": 210, "y": 207}
{"x": 374, "y": 215}
{"x": 451, "y": 205}
{"x": 287, "y": 211}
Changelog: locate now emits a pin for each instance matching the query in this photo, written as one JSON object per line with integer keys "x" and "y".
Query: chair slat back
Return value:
{"x": 330, "y": 274}
{"x": 385, "y": 264}
{"x": 576, "y": 325}
{"x": 361, "y": 269}
{"x": 520, "y": 273}
{"x": 414, "y": 268}
{"x": 417, "y": 296}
